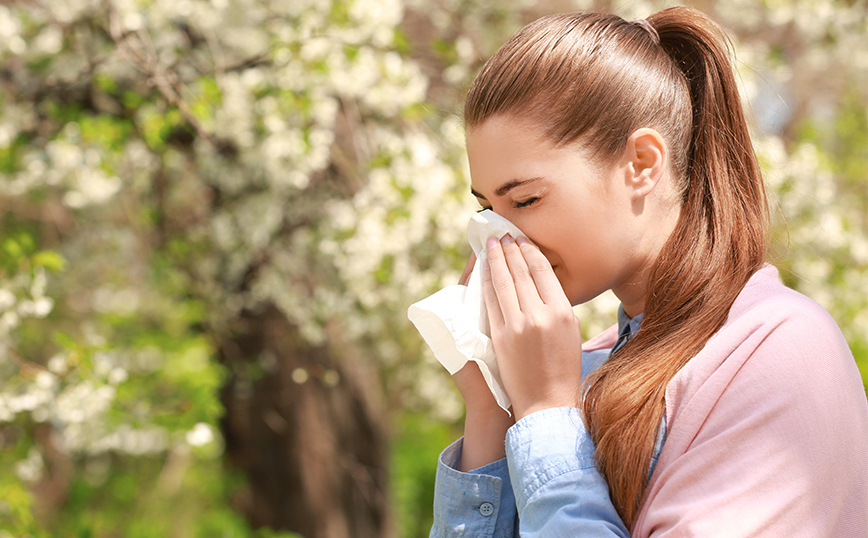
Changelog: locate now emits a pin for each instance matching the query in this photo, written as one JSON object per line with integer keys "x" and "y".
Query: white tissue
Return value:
{"x": 454, "y": 322}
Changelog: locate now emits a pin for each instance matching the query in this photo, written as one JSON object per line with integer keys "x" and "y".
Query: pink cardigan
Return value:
{"x": 767, "y": 428}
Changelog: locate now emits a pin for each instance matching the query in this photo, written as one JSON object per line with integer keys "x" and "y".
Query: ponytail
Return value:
{"x": 718, "y": 243}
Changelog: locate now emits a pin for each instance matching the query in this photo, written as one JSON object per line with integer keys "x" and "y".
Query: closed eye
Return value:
{"x": 525, "y": 203}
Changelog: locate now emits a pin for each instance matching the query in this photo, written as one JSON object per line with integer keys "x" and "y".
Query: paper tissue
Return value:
{"x": 454, "y": 322}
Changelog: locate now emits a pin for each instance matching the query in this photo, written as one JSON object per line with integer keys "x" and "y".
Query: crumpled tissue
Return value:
{"x": 454, "y": 321}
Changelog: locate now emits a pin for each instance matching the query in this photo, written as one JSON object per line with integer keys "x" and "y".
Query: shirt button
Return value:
{"x": 486, "y": 509}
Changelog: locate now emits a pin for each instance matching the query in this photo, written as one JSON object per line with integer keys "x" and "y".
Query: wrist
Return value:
{"x": 484, "y": 437}
{"x": 488, "y": 422}
{"x": 487, "y": 410}
{"x": 521, "y": 411}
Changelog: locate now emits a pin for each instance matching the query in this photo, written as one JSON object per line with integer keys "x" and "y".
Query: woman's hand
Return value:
{"x": 485, "y": 423}
{"x": 536, "y": 335}
{"x": 468, "y": 268}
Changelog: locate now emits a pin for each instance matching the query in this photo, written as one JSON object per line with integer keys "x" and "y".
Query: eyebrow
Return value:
{"x": 506, "y": 187}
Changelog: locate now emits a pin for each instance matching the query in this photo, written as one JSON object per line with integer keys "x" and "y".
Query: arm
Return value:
{"x": 485, "y": 423}
{"x": 537, "y": 338}
{"x": 558, "y": 490}
{"x": 585, "y": 504}
{"x": 550, "y": 457}
{"x": 473, "y": 496}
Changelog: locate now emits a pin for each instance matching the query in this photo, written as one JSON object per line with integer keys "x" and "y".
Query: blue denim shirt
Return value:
{"x": 548, "y": 484}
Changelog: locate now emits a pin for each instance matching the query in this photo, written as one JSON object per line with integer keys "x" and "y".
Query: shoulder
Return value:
{"x": 767, "y": 305}
{"x": 772, "y": 402}
{"x": 771, "y": 324}
{"x": 775, "y": 341}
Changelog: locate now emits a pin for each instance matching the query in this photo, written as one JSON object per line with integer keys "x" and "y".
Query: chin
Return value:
{"x": 580, "y": 297}
{"x": 576, "y": 294}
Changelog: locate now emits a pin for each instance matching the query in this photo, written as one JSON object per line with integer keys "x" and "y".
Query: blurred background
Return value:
{"x": 214, "y": 214}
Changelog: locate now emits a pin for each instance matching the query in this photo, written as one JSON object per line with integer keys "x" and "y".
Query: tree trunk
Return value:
{"x": 308, "y": 431}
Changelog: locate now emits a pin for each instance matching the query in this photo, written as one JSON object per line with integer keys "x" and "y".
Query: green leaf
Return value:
{"x": 49, "y": 259}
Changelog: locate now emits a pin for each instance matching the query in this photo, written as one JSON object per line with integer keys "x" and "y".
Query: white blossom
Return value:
{"x": 200, "y": 435}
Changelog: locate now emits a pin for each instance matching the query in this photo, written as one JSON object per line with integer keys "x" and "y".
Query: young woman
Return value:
{"x": 723, "y": 403}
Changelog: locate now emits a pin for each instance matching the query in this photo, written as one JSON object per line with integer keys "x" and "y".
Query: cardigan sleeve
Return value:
{"x": 768, "y": 433}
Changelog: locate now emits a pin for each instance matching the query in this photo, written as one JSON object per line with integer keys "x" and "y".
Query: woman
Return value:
{"x": 723, "y": 404}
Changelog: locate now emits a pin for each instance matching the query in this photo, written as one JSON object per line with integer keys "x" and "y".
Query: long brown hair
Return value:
{"x": 595, "y": 78}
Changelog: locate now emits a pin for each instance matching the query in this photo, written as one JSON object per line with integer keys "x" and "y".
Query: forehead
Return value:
{"x": 504, "y": 149}
{"x": 500, "y": 143}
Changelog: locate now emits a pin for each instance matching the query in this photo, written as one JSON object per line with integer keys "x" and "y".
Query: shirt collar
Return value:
{"x": 627, "y": 326}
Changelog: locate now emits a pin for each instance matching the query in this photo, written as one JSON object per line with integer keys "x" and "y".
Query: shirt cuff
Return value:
{"x": 476, "y": 503}
{"x": 546, "y": 445}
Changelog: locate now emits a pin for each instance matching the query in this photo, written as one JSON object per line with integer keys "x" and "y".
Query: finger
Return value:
{"x": 489, "y": 296}
{"x": 465, "y": 275}
{"x": 501, "y": 279}
{"x": 544, "y": 278}
{"x": 525, "y": 288}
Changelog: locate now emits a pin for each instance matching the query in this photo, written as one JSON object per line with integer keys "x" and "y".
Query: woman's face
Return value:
{"x": 582, "y": 217}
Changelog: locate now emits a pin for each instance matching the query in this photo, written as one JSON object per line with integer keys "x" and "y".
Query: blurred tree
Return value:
{"x": 244, "y": 179}
{"x": 214, "y": 215}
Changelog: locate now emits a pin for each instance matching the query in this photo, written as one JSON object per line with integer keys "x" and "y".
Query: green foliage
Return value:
{"x": 16, "y": 501}
{"x": 155, "y": 497}
{"x": 418, "y": 442}
{"x": 167, "y": 166}
{"x": 108, "y": 132}
{"x": 9, "y": 156}
{"x": 16, "y": 249}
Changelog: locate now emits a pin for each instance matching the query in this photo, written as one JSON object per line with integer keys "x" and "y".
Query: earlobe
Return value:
{"x": 647, "y": 155}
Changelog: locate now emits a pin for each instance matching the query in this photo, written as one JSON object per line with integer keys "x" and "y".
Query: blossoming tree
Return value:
{"x": 214, "y": 214}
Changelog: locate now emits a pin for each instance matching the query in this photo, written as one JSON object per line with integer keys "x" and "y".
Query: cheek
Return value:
{"x": 538, "y": 224}
{"x": 528, "y": 226}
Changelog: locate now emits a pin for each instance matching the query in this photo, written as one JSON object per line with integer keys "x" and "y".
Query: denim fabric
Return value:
{"x": 459, "y": 499}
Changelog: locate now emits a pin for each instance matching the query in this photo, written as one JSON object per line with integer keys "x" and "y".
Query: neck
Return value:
{"x": 657, "y": 226}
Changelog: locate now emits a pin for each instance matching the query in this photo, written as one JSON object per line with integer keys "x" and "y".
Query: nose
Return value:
{"x": 548, "y": 254}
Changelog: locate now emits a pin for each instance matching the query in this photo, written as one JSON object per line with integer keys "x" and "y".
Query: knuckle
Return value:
{"x": 563, "y": 310}
{"x": 538, "y": 321}
{"x": 569, "y": 322}
{"x": 535, "y": 324}
{"x": 538, "y": 264}
{"x": 553, "y": 319}
{"x": 521, "y": 273}
{"x": 501, "y": 283}
{"x": 489, "y": 297}
{"x": 563, "y": 314}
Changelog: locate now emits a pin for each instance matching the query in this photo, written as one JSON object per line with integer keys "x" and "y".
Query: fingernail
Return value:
{"x": 506, "y": 239}
{"x": 522, "y": 241}
{"x": 492, "y": 241}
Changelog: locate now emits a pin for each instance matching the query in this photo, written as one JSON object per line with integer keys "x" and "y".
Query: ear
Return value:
{"x": 646, "y": 155}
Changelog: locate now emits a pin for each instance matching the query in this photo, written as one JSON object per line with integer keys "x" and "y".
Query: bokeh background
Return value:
{"x": 214, "y": 214}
